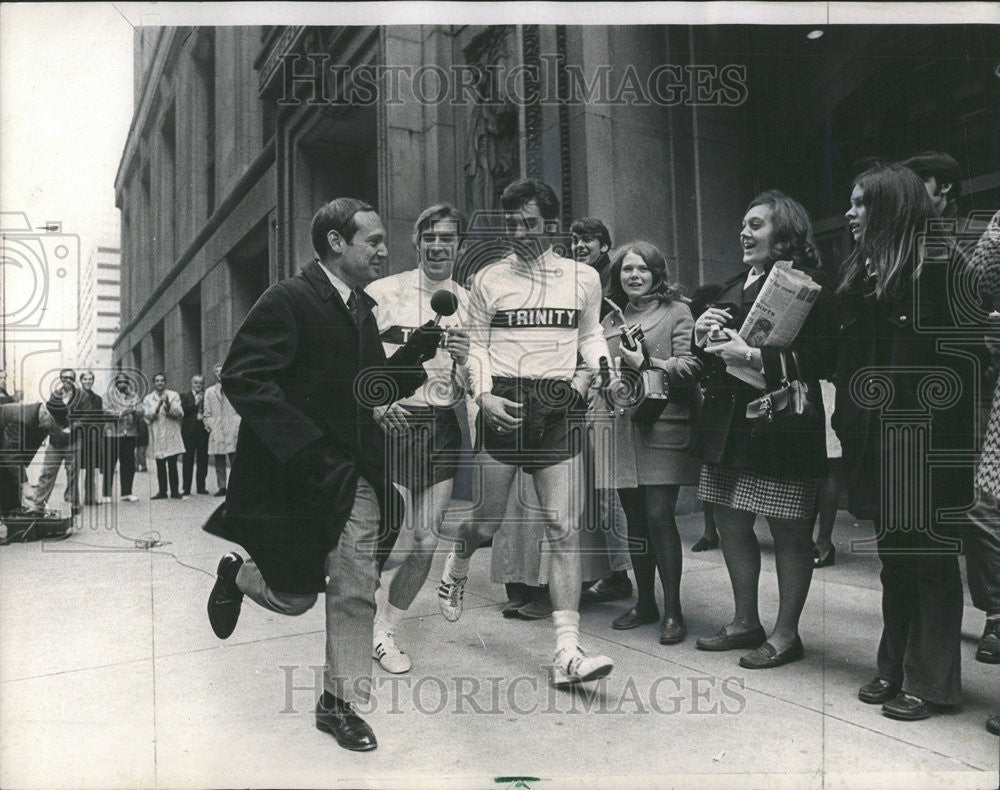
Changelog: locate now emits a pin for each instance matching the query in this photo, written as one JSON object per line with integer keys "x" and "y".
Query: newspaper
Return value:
{"x": 777, "y": 315}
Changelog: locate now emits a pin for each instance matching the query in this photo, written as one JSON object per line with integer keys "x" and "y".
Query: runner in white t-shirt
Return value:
{"x": 530, "y": 315}
{"x": 423, "y": 430}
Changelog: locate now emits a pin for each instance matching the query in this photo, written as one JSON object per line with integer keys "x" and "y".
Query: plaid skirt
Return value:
{"x": 742, "y": 489}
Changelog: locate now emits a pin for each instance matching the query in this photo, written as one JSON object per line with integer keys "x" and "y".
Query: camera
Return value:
{"x": 632, "y": 336}
{"x": 41, "y": 275}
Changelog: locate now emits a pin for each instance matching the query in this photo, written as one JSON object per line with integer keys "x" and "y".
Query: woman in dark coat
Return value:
{"x": 900, "y": 395}
{"x": 649, "y": 463}
{"x": 775, "y": 473}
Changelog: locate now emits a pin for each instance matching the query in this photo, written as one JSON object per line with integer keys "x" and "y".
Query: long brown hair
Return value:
{"x": 793, "y": 234}
{"x": 656, "y": 264}
{"x": 897, "y": 208}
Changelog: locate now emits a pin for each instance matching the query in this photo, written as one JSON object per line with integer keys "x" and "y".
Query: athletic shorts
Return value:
{"x": 429, "y": 453}
{"x": 553, "y": 429}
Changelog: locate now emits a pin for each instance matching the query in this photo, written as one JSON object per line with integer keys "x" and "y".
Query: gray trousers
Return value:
{"x": 53, "y": 459}
{"x": 352, "y": 577}
{"x": 982, "y": 552}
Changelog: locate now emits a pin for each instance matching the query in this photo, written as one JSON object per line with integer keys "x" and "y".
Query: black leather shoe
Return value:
{"x": 989, "y": 643}
{"x": 161, "y": 495}
{"x": 221, "y": 491}
{"x": 723, "y": 641}
{"x": 608, "y": 589}
{"x": 347, "y": 727}
{"x": 633, "y": 618}
{"x": 537, "y": 609}
{"x": 225, "y": 600}
{"x": 826, "y": 561}
{"x": 517, "y": 596}
{"x": 766, "y": 657}
{"x": 202, "y": 491}
{"x": 672, "y": 630}
{"x": 993, "y": 724}
{"x": 906, "y": 707}
{"x": 705, "y": 544}
{"x": 877, "y": 690}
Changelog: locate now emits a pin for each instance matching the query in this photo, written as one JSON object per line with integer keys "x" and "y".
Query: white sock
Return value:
{"x": 567, "y": 624}
{"x": 455, "y": 568}
{"x": 388, "y": 618}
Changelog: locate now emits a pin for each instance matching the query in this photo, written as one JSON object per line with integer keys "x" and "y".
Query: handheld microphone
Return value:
{"x": 443, "y": 303}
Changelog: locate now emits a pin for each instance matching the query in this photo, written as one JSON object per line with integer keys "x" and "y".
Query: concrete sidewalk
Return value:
{"x": 111, "y": 677}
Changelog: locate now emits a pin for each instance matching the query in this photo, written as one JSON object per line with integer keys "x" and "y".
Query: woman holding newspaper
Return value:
{"x": 901, "y": 395}
{"x": 761, "y": 435}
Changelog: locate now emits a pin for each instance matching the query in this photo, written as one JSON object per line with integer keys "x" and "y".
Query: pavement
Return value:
{"x": 110, "y": 677}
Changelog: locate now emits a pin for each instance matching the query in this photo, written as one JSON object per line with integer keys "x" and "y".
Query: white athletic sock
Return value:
{"x": 388, "y": 618}
{"x": 455, "y": 568}
{"x": 567, "y": 624}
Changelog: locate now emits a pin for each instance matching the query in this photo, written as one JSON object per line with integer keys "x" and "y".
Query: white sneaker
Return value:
{"x": 104, "y": 500}
{"x": 450, "y": 598}
{"x": 130, "y": 498}
{"x": 570, "y": 667}
{"x": 387, "y": 653}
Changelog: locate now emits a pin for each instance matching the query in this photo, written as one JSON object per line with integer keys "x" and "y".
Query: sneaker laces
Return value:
{"x": 452, "y": 591}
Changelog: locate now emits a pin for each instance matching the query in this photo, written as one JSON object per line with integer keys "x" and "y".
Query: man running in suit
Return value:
{"x": 308, "y": 496}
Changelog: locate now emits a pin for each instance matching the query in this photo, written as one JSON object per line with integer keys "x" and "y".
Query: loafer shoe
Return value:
{"x": 513, "y": 604}
{"x": 225, "y": 600}
{"x": 672, "y": 630}
{"x": 607, "y": 589}
{"x": 347, "y": 727}
{"x": 988, "y": 651}
{"x": 826, "y": 561}
{"x": 724, "y": 641}
{"x": 534, "y": 610}
{"x": 993, "y": 724}
{"x": 766, "y": 657}
{"x": 878, "y": 690}
{"x": 633, "y": 618}
{"x": 220, "y": 492}
{"x": 705, "y": 544}
{"x": 906, "y": 707}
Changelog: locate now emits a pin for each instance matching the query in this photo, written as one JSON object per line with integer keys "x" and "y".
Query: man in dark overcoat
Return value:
{"x": 308, "y": 496}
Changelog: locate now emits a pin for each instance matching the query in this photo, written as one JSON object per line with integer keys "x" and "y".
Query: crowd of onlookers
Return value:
{"x": 102, "y": 436}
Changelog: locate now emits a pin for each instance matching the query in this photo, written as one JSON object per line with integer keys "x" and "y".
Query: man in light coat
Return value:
{"x": 223, "y": 425}
{"x": 162, "y": 410}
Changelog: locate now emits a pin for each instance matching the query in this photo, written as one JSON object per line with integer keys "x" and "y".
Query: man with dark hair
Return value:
{"x": 530, "y": 315}
{"x": 60, "y": 452}
{"x": 942, "y": 179}
{"x": 591, "y": 243}
{"x": 23, "y": 428}
{"x": 5, "y": 397}
{"x": 307, "y": 496}
{"x": 423, "y": 431}
{"x": 195, "y": 437}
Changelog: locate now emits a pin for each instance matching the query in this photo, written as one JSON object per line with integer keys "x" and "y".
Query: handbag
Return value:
{"x": 786, "y": 408}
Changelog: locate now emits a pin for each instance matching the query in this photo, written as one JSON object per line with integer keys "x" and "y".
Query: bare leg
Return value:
{"x": 495, "y": 480}
{"x": 428, "y": 512}
{"x": 560, "y": 493}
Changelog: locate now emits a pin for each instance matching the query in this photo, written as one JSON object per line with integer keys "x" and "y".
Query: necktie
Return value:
{"x": 352, "y": 306}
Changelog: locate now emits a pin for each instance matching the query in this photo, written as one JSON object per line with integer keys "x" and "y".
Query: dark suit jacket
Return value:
{"x": 723, "y": 433}
{"x": 302, "y": 376}
{"x": 189, "y": 422}
{"x": 86, "y": 414}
